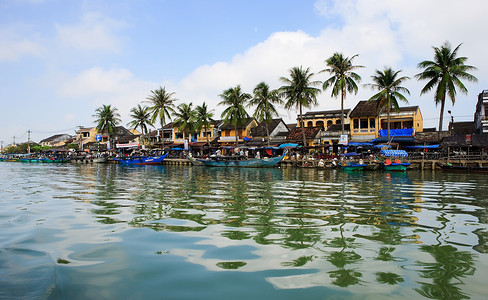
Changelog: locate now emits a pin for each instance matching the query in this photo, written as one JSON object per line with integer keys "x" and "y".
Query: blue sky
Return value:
{"x": 61, "y": 59}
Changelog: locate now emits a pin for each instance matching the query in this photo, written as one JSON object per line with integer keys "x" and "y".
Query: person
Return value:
{"x": 387, "y": 162}
{"x": 258, "y": 155}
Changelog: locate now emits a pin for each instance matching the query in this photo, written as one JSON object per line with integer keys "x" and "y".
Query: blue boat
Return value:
{"x": 352, "y": 166}
{"x": 396, "y": 165}
{"x": 237, "y": 162}
{"x": 141, "y": 160}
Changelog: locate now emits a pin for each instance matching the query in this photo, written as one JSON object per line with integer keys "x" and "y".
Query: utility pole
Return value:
{"x": 28, "y": 140}
{"x": 1, "y": 147}
{"x": 14, "y": 140}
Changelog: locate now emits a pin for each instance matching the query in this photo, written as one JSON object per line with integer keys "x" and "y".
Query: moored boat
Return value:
{"x": 449, "y": 167}
{"x": 225, "y": 161}
{"x": 141, "y": 160}
{"x": 352, "y": 166}
{"x": 396, "y": 164}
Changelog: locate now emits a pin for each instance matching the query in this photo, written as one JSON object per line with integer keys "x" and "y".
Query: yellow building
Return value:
{"x": 324, "y": 119}
{"x": 367, "y": 123}
{"x": 228, "y": 134}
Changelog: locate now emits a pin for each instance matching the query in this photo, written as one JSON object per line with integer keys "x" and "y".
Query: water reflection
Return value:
{"x": 355, "y": 229}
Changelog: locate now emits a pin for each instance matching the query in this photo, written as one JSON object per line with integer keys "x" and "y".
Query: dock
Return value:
{"x": 416, "y": 164}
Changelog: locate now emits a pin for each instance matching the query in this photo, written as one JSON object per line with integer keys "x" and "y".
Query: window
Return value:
{"x": 363, "y": 124}
{"x": 371, "y": 123}
{"x": 355, "y": 123}
{"x": 309, "y": 124}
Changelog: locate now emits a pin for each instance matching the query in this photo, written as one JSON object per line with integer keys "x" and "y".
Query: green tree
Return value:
{"x": 299, "y": 91}
{"x": 343, "y": 79}
{"x": 185, "y": 119}
{"x": 162, "y": 105}
{"x": 235, "y": 113}
{"x": 107, "y": 118}
{"x": 203, "y": 118}
{"x": 264, "y": 99}
{"x": 141, "y": 117}
{"x": 444, "y": 74}
{"x": 388, "y": 84}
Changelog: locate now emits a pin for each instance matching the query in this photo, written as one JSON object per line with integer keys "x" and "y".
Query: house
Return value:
{"x": 368, "y": 123}
{"x": 312, "y": 136}
{"x": 324, "y": 118}
{"x": 481, "y": 113}
{"x": 228, "y": 134}
{"x": 278, "y": 131}
{"x": 87, "y": 137}
{"x": 57, "y": 140}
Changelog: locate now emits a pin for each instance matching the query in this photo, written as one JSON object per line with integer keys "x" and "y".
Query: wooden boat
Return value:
{"x": 449, "y": 167}
{"x": 395, "y": 166}
{"x": 227, "y": 161}
{"x": 88, "y": 160}
{"x": 141, "y": 160}
{"x": 352, "y": 166}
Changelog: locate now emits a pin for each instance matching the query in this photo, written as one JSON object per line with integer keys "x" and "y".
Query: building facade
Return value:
{"x": 481, "y": 113}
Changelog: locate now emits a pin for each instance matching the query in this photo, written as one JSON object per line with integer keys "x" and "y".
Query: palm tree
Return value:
{"x": 264, "y": 100}
{"x": 343, "y": 78}
{"x": 107, "y": 119}
{"x": 203, "y": 117}
{"x": 185, "y": 119}
{"x": 445, "y": 73}
{"x": 162, "y": 105}
{"x": 141, "y": 117}
{"x": 235, "y": 113}
{"x": 389, "y": 89}
{"x": 299, "y": 92}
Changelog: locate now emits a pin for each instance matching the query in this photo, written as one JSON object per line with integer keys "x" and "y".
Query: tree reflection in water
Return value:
{"x": 450, "y": 264}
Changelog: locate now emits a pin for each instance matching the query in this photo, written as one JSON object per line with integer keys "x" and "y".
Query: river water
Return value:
{"x": 179, "y": 232}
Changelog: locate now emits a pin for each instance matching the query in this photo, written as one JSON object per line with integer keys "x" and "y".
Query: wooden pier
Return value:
{"x": 416, "y": 164}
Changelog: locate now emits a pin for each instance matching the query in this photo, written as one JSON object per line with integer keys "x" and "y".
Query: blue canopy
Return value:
{"x": 177, "y": 148}
{"x": 423, "y": 147}
{"x": 400, "y": 153}
{"x": 356, "y": 144}
{"x": 349, "y": 154}
{"x": 288, "y": 145}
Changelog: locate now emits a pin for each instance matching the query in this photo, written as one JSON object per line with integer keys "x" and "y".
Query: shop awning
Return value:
{"x": 399, "y": 153}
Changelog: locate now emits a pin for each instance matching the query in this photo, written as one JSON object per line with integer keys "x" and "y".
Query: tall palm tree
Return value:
{"x": 162, "y": 105}
{"x": 185, "y": 119}
{"x": 343, "y": 78}
{"x": 444, "y": 73}
{"x": 203, "y": 118}
{"x": 107, "y": 119}
{"x": 388, "y": 84}
{"x": 264, "y": 100}
{"x": 235, "y": 113}
{"x": 141, "y": 117}
{"x": 299, "y": 91}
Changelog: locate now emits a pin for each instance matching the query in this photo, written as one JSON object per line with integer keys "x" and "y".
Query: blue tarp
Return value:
{"x": 396, "y": 132}
{"x": 405, "y": 139}
{"x": 357, "y": 144}
{"x": 400, "y": 153}
{"x": 423, "y": 147}
{"x": 349, "y": 154}
{"x": 288, "y": 145}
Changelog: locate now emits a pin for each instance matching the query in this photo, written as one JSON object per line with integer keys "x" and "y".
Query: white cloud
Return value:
{"x": 15, "y": 44}
{"x": 384, "y": 33}
{"x": 93, "y": 32}
{"x": 115, "y": 86}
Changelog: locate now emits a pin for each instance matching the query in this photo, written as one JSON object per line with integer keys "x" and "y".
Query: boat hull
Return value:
{"x": 463, "y": 168}
{"x": 141, "y": 160}
{"x": 396, "y": 167}
{"x": 247, "y": 163}
{"x": 353, "y": 167}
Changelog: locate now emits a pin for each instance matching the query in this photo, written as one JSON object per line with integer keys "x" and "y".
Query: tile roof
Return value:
{"x": 229, "y": 126}
{"x": 364, "y": 109}
{"x": 310, "y": 133}
{"x": 260, "y": 130}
